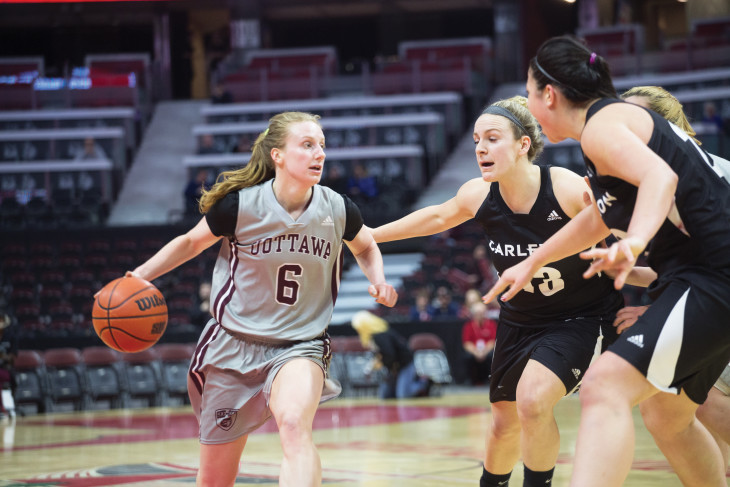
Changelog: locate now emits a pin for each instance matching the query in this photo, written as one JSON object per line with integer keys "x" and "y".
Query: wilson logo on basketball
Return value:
{"x": 149, "y": 302}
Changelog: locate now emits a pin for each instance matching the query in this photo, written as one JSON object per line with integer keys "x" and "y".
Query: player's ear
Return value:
{"x": 276, "y": 155}
{"x": 525, "y": 143}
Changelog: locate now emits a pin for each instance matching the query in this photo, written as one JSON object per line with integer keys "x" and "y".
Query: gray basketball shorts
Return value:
{"x": 230, "y": 379}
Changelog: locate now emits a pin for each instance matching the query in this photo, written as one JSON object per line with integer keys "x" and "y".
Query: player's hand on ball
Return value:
{"x": 384, "y": 294}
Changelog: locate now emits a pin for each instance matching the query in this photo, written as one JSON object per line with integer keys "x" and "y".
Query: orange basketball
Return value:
{"x": 129, "y": 314}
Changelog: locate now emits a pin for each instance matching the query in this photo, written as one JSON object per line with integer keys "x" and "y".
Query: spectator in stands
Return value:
{"x": 265, "y": 351}
{"x": 90, "y": 151}
{"x": 421, "y": 309}
{"x": 243, "y": 145}
{"x": 471, "y": 296}
{"x": 443, "y": 305}
{"x": 207, "y": 145}
{"x": 361, "y": 186}
{"x": 711, "y": 116}
{"x": 391, "y": 354}
{"x": 481, "y": 271}
{"x": 219, "y": 94}
{"x": 545, "y": 341}
{"x": 477, "y": 337}
{"x": 8, "y": 353}
{"x": 193, "y": 191}
{"x": 336, "y": 179}
{"x": 202, "y": 311}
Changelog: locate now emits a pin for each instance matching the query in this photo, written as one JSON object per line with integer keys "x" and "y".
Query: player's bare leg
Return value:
{"x": 295, "y": 396}
{"x": 714, "y": 414}
{"x": 538, "y": 391}
{"x": 219, "y": 464}
{"x": 689, "y": 447}
{"x": 605, "y": 445}
{"x": 503, "y": 439}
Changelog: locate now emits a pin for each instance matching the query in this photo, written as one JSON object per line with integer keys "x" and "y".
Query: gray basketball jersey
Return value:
{"x": 278, "y": 279}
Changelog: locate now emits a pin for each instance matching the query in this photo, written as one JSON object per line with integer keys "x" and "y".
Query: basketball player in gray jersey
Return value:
{"x": 265, "y": 352}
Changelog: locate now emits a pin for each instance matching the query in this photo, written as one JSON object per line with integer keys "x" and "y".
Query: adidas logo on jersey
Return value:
{"x": 637, "y": 340}
{"x": 576, "y": 373}
{"x": 328, "y": 221}
{"x": 553, "y": 216}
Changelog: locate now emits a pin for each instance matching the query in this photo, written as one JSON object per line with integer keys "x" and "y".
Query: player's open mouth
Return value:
{"x": 486, "y": 164}
{"x": 316, "y": 168}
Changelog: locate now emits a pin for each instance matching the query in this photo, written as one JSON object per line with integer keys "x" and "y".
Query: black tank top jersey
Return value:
{"x": 558, "y": 291}
{"x": 702, "y": 199}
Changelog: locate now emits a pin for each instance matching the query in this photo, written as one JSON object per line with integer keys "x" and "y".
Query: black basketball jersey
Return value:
{"x": 558, "y": 291}
{"x": 702, "y": 199}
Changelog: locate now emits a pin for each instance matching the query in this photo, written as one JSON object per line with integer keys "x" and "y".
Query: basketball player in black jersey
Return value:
{"x": 715, "y": 411}
{"x": 657, "y": 191}
{"x": 546, "y": 337}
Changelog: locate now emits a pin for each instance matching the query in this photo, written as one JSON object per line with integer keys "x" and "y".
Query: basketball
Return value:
{"x": 129, "y": 314}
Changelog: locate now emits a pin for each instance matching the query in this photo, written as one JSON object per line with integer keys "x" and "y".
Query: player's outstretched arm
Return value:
{"x": 436, "y": 218}
{"x": 370, "y": 260}
{"x": 177, "y": 251}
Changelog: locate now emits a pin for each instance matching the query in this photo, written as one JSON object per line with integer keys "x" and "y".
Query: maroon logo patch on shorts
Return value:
{"x": 225, "y": 418}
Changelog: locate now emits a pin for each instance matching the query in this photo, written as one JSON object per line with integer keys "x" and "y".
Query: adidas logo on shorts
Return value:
{"x": 576, "y": 372}
{"x": 328, "y": 222}
{"x": 553, "y": 216}
{"x": 637, "y": 340}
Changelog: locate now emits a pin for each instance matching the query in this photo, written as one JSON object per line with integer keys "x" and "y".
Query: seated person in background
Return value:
{"x": 361, "y": 186}
{"x": 207, "y": 145}
{"x": 91, "y": 151}
{"x": 444, "y": 306}
{"x": 392, "y": 354}
{"x": 201, "y": 312}
{"x": 219, "y": 94}
{"x": 471, "y": 297}
{"x": 193, "y": 192}
{"x": 335, "y": 179}
{"x": 478, "y": 336}
{"x": 710, "y": 115}
{"x": 8, "y": 352}
{"x": 422, "y": 310}
{"x": 244, "y": 144}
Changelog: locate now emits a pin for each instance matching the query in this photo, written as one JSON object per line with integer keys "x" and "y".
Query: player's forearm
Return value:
{"x": 370, "y": 261}
{"x": 176, "y": 252}
{"x": 418, "y": 224}
{"x": 581, "y": 232}
{"x": 641, "y": 276}
{"x": 653, "y": 202}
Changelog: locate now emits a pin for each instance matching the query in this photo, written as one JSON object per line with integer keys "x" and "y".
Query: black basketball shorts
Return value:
{"x": 565, "y": 347}
{"x": 682, "y": 342}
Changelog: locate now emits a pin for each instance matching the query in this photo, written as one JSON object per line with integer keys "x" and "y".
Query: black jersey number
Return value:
{"x": 287, "y": 288}
{"x": 551, "y": 282}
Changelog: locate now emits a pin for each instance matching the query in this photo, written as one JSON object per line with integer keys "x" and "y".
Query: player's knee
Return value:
{"x": 662, "y": 425}
{"x": 532, "y": 407}
{"x": 596, "y": 388}
{"x": 505, "y": 429}
{"x": 293, "y": 429}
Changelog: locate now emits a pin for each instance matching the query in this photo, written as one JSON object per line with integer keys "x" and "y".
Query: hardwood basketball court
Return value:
{"x": 363, "y": 442}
